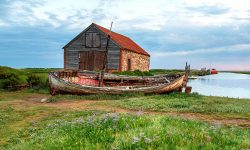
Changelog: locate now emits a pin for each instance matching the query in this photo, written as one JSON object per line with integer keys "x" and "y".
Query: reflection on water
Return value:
{"x": 223, "y": 84}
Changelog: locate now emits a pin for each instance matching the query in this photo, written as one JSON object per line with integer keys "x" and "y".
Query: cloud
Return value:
{"x": 149, "y": 16}
{"x": 187, "y": 30}
{"x": 31, "y": 13}
{"x": 233, "y": 48}
{"x": 209, "y": 10}
{"x": 2, "y": 23}
{"x": 242, "y": 66}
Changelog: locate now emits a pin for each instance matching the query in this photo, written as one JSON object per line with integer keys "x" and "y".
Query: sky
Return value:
{"x": 205, "y": 33}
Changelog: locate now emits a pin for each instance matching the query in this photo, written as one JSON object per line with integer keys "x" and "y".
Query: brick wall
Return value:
{"x": 138, "y": 61}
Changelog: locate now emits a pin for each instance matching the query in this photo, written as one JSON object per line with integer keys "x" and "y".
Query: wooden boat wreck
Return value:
{"x": 87, "y": 82}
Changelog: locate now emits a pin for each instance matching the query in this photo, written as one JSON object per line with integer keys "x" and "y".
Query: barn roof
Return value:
{"x": 123, "y": 41}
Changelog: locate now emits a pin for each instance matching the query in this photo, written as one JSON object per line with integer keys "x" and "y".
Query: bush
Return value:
{"x": 5, "y": 72}
{"x": 11, "y": 80}
{"x": 34, "y": 80}
{"x": 166, "y": 71}
{"x": 135, "y": 73}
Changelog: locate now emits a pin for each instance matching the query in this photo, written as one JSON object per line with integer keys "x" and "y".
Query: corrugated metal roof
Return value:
{"x": 123, "y": 41}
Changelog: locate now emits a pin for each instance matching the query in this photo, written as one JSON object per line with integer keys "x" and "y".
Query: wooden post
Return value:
{"x": 188, "y": 89}
{"x": 179, "y": 90}
{"x": 105, "y": 59}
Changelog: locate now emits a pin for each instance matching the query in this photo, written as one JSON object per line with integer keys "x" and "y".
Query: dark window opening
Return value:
{"x": 92, "y": 40}
{"x": 129, "y": 65}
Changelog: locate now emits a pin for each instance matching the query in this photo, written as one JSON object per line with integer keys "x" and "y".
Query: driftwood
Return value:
{"x": 18, "y": 87}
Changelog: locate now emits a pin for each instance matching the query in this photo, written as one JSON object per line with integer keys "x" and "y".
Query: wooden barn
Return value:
{"x": 87, "y": 51}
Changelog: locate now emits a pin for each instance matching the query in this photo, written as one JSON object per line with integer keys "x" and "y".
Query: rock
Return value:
{"x": 44, "y": 100}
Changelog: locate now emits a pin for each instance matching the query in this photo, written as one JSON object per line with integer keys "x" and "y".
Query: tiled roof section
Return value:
{"x": 123, "y": 41}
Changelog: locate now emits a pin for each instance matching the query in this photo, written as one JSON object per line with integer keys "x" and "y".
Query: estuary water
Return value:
{"x": 223, "y": 84}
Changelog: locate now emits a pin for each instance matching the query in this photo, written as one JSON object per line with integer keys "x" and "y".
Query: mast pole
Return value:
{"x": 105, "y": 58}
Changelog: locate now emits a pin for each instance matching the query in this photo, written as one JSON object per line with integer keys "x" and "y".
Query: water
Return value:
{"x": 222, "y": 84}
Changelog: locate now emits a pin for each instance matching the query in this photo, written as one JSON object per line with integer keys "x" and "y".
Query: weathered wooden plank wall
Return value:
{"x": 72, "y": 50}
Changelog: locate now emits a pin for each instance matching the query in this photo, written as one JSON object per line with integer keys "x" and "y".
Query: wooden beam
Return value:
{"x": 120, "y": 63}
{"x": 64, "y": 57}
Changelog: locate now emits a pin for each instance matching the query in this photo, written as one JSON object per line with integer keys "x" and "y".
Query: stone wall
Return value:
{"x": 138, "y": 61}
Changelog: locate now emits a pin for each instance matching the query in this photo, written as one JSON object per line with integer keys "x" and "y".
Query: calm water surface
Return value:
{"x": 223, "y": 84}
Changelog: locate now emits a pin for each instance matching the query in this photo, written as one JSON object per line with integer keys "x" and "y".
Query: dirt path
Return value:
{"x": 97, "y": 105}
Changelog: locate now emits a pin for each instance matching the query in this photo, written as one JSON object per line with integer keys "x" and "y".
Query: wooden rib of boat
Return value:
{"x": 86, "y": 82}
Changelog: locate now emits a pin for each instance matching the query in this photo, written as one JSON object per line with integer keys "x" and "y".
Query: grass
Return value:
{"x": 99, "y": 130}
{"x": 166, "y": 71}
{"x": 41, "y": 73}
{"x": 174, "y": 102}
{"x": 243, "y": 72}
{"x": 39, "y": 70}
{"x": 152, "y": 72}
{"x": 26, "y": 123}
{"x": 178, "y": 71}
{"x": 192, "y": 103}
{"x": 94, "y": 97}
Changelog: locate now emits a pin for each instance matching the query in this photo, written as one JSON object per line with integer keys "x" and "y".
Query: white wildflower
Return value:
{"x": 135, "y": 140}
{"x": 147, "y": 140}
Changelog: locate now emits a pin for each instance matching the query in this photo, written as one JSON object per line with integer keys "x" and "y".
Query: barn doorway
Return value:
{"x": 91, "y": 60}
{"x": 129, "y": 65}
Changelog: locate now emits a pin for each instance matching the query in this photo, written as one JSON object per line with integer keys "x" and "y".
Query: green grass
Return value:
{"x": 39, "y": 70}
{"x": 37, "y": 90}
{"x": 192, "y": 103}
{"x": 6, "y": 70}
{"x": 242, "y": 72}
{"x": 135, "y": 73}
{"x": 174, "y": 102}
{"x": 94, "y": 97}
{"x": 27, "y": 124}
{"x": 42, "y": 73}
{"x": 166, "y": 71}
{"x": 178, "y": 71}
{"x": 152, "y": 72}
{"x": 96, "y": 130}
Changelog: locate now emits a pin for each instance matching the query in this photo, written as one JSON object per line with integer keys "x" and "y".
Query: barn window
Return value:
{"x": 93, "y": 40}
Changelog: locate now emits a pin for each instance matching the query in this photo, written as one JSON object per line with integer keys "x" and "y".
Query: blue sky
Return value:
{"x": 205, "y": 33}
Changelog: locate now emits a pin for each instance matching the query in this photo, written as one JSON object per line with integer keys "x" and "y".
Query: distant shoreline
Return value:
{"x": 240, "y": 72}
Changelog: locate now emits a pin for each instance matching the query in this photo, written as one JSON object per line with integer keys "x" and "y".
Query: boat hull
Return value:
{"x": 213, "y": 71}
{"x": 58, "y": 85}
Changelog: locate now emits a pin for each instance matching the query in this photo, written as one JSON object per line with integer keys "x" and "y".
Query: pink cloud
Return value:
{"x": 232, "y": 67}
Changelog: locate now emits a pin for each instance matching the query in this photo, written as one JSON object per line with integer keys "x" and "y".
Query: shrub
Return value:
{"x": 34, "y": 80}
{"x": 5, "y": 72}
{"x": 11, "y": 80}
{"x": 135, "y": 73}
